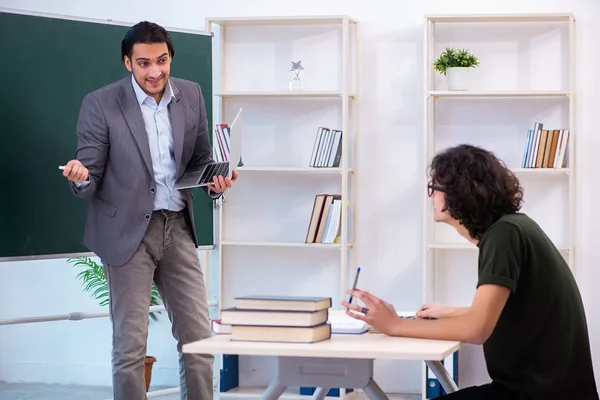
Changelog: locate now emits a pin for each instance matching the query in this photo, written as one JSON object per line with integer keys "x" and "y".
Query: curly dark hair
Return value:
{"x": 479, "y": 188}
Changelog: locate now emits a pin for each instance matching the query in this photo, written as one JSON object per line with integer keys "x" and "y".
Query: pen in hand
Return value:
{"x": 354, "y": 286}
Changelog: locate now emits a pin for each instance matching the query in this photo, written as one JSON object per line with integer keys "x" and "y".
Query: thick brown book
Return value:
{"x": 281, "y": 334}
{"x": 236, "y": 316}
{"x": 315, "y": 218}
{"x": 287, "y": 303}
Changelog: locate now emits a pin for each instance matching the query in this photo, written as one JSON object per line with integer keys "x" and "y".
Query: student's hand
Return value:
{"x": 380, "y": 315}
{"x": 221, "y": 184}
{"x": 75, "y": 171}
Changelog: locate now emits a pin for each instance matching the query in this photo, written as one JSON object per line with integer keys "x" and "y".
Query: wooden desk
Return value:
{"x": 344, "y": 361}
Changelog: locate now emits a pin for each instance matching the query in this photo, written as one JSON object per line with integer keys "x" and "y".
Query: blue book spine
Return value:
{"x": 229, "y": 372}
{"x": 334, "y": 392}
{"x": 434, "y": 388}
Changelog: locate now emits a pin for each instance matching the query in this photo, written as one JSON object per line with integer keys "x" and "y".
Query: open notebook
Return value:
{"x": 342, "y": 323}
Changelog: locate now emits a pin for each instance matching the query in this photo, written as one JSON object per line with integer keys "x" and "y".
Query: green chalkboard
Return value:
{"x": 49, "y": 66}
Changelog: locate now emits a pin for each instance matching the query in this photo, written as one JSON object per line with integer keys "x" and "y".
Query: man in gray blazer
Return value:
{"x": 136, "y": 137}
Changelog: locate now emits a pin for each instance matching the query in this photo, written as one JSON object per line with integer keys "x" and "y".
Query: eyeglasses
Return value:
{"x": 431, "y": 187}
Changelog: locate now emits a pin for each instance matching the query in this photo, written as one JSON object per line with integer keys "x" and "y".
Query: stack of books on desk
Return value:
{"x": 279, "y": 319}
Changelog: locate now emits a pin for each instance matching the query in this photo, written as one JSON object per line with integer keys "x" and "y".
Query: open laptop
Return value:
{"x": 202, "y": 176}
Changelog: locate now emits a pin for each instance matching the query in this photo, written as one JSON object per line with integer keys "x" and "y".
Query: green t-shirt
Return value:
{"x": 540, "y": 345}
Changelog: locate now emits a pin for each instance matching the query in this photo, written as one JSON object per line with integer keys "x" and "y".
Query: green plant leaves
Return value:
{"x": 94, "y": 282}
{"x": 452, "y": 57}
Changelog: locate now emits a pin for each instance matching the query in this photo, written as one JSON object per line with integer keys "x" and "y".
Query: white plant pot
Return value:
{"x": 458, "y": 78}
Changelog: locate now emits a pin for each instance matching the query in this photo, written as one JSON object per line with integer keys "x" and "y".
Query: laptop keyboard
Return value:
{"x": 216, "y": 169}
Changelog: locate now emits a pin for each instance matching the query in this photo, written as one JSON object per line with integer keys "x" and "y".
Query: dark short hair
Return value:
{"x": 479, "y": 188}
{"x": 145, "y": 32}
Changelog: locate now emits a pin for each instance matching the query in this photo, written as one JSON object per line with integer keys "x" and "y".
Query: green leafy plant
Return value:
{"x": 452, "y": 57}
{"x": 94, "y": 282}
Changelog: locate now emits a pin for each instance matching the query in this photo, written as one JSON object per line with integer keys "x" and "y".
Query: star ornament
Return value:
{"x": 296, "y": 66}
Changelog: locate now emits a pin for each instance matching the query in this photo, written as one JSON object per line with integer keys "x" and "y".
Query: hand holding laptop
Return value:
{"x": 221, "y": 184}
{"x": 217, "y": 176}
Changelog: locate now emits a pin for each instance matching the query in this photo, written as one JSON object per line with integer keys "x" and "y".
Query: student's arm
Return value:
{"x": 499, "y": 270}
{"x": 92, "y": 145}
{"x": 475, "y": 325}
{"x": 437, "y": 311}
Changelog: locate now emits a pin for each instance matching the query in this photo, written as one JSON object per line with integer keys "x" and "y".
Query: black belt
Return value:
{"x": 168, "y": 213}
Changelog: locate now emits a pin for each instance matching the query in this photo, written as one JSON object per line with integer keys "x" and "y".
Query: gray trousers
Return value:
{"x": 168, "y": 256}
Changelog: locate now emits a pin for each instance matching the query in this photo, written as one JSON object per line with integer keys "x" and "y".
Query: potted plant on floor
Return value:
{"x": 455, "y": 65}
{"x": 94, "y": 281}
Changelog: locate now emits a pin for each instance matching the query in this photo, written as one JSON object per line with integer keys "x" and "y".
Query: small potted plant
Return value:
{"x": 455, "y": 65}
{"x": 94, "y": 282}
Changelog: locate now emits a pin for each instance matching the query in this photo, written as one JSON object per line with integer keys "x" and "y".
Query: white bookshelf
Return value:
{"x": 436, "y": 94}
{"x": 264, "y": 218}
{"x": 306, "y": 94}
{"x": 295, "y": 170}
{"x": 439, "y": 250}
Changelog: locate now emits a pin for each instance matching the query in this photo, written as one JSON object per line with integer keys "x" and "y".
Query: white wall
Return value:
{"x": 391, "y": 118}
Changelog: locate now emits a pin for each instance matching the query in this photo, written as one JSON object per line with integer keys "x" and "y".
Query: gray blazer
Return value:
{"x": 113, "y": 145}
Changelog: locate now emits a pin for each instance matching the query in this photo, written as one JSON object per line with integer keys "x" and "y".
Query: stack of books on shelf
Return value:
{"x": 221, "y": 143}
{"x": 327, "y": 149}
{"x": 222, "y": 140}
{"x": 546, "y": 148}
{"x": 278, "y": 319}
{"x": 325, "y": 220}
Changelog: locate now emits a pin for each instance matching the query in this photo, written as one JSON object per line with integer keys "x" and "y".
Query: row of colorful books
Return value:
{"x": 546, "y": 148}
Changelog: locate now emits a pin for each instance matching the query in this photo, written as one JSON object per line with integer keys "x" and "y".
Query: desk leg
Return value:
{"x": 274, "y": 390}
{"x": 320, "y": 393}
{"x": 443, "y": 376}
{"x": 374, "y": 392}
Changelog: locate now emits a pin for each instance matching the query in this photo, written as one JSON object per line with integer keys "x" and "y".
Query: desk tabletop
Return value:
{"x": 367, "y": 345}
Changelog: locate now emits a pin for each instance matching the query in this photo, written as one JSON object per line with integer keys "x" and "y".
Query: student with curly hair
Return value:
{"x": 527, "y": 311}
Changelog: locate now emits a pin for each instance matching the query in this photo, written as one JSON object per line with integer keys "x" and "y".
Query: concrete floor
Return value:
{"x": 35, "y": 391}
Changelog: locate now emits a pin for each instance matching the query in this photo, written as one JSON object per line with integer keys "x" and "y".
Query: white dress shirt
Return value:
{"x": 160, "y": 138}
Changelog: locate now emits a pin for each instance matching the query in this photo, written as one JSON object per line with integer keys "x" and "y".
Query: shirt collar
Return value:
{"x": 141, "y": 96}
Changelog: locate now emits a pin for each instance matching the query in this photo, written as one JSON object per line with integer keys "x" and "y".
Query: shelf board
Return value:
{"x": 304, "y": 94}
{"x": 283, "y": 20}
{"x": 500, "y": 18}
{"x": 308, "y": 170}
{"x": 245, "y": 393}
{"x": 282, "y": 244}
{"x": 470, "y": 246}
{"x": 497, "y": 94}
{"x": 541, "y": 171}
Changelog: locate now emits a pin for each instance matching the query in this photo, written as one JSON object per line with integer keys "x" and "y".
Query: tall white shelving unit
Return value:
{"x": 263, "y": 220}
{"x": 437, "y": 250}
